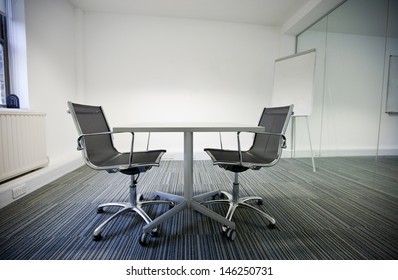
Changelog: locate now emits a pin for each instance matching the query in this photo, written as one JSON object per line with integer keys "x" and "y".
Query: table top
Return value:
{"x": 188, "y": 127}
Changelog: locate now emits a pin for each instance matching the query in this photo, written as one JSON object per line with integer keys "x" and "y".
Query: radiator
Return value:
{"x": 22, "y": 142}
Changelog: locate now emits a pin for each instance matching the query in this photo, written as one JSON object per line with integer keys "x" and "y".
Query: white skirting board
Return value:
{"x": 13, "y": 190}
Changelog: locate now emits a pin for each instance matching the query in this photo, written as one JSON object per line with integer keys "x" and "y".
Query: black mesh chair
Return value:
{"x": 265, "y": 151}
{"x": 99, "y": 153}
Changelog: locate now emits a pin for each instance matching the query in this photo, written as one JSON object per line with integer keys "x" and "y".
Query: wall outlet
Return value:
{"x": 19, "y": 191}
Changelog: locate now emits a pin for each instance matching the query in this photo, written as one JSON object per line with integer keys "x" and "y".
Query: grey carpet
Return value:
{"x": 348, "y": 209}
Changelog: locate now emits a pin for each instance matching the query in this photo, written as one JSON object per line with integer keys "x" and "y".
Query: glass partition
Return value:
{"x": 350, "y": 79}
{"x": 388, "y": 139}
{"x": 354, "y": 80}
{"x": 314, "y": 38}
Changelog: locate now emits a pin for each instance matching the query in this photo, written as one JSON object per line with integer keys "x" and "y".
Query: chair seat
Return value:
{"x": 141, "y": 162}
{"x": 229, "y": 160}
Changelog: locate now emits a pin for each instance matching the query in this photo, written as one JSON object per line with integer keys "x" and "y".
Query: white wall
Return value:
{"x": 148, "y": 69}
{"x": 50, "y": 36}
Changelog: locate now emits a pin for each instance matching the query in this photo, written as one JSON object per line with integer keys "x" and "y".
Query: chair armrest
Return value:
{"x": 283, "y": 145}
{"x": 80, "y": 143}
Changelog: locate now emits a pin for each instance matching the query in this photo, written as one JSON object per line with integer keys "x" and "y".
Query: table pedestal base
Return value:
{"x": 184, "y": 204}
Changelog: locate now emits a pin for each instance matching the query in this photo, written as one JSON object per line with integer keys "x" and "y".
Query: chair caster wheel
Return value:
{"x": 260, "y": 202}
{"x": 223, "y": 196}
{"x": 229, "y": 233}
{"x": 144, "y": 239}
{"x": 216, "y": 196}
{"x": 97, "y": 237}
{"x": 272, "y": 225}
{"x": 155, "y": 232}
{"x": 100, "y": 210}
{"x": 172, "y": 204}
{"x": 141, "y": 198}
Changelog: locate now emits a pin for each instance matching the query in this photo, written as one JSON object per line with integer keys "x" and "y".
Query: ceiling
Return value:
{"x": 264, "y": 12}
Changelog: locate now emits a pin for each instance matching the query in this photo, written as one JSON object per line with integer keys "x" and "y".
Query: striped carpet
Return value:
{"x": 348, "y": 209}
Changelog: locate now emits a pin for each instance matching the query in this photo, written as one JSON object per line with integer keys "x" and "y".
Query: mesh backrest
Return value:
{"x": 91, "y": 119}
{"x": 275, "y": 120}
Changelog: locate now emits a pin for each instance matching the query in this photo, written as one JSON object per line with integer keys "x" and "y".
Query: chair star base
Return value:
{"x": 135, "y": 205}
{"x": 242, "y": 202}
{"x": 234, "y": 201}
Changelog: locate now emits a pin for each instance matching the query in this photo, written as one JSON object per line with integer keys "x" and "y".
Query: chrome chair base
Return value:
{"x": 242, "y": 202}
{"x": 234, "y": 201}
{"x": 135, "y": 205}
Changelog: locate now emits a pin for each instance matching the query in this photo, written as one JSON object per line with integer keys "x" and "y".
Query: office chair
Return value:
{"x": 265, "y": 151}
{"x": 96, "y": 143}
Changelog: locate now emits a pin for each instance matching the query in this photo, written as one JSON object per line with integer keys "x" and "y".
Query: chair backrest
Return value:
{"x": 91, "y": 119}
{"x": 275, "y": 120}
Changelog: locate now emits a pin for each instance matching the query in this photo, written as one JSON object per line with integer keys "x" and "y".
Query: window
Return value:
{"x": 4, "y": 71}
